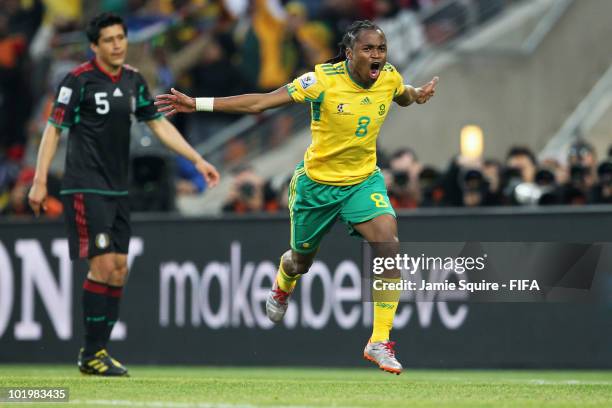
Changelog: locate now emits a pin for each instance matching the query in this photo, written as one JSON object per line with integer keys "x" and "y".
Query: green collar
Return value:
{"x": 353, "y": 79}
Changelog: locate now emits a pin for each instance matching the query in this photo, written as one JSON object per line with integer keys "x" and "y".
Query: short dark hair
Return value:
{"x": 402, "y": 151}
{"x": 350, "y": 36}
{"x": 522, "y": 151}
{"x": 580, "y": 148}
{"x": 101, "y": 21}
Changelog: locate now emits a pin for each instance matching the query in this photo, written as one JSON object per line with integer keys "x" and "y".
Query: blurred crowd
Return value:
{"x": 223, "y": 47}
{"x": 518, "y": 180}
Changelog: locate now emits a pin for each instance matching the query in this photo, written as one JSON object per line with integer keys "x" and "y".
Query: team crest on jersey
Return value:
{"x": 64, "y": 95}
{"x": 343, "y": 109}
{"x": 308, "y": 80}
{"x": 102, "y": 241}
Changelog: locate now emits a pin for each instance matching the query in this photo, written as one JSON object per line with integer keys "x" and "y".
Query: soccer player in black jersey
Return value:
{"x": 95, "y": 102}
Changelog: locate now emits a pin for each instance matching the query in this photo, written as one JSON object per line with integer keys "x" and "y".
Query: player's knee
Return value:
{"x": 119, "y": 276}
{"x": 120, "y": 273}
{"x": 287, "y": 262}
{"x": 295, "y": 263}
{"x": 101, "y": 268}
{"x": 117, "y": 279}
{"x": 301, "y": 267}
{"x": 302, "y": 262}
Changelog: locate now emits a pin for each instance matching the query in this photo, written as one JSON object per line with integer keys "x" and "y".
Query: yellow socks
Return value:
{"x": 385, "y": 306}
{"x": 284, "y": 281}
{"x": 384, "y": 312}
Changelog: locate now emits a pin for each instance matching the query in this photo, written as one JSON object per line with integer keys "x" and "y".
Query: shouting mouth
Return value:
{"x": 375, "y": 70}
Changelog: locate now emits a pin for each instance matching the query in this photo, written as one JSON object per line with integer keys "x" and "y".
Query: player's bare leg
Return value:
{"x": 292, "y": 266}
{"x": 379, "y": 350}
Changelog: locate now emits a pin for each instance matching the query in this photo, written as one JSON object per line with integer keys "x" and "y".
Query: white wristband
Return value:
{"x": 204, "y": 104}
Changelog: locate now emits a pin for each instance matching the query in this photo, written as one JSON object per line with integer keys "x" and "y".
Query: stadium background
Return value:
{"x": 533, "y": 75}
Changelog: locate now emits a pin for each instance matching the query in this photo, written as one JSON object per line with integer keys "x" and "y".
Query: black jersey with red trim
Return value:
{"x": 97, "y": 109}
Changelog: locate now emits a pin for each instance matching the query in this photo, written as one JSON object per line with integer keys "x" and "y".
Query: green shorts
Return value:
{"x": 314, "y": 207}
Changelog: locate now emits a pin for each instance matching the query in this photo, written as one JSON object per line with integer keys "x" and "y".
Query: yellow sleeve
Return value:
{"x": 399, "y": 83}
{"x": 308, "y": 86}
{"x": 396, "y": 79}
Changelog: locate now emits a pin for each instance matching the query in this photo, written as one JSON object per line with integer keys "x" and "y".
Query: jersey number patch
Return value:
{"x": 362, "y": 126}
{"x": 102, "y": 103}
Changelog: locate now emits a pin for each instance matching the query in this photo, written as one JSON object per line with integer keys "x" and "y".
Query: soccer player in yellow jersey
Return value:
{"x": 350, "y": 97}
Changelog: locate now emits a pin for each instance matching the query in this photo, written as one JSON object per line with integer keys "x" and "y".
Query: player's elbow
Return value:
{"x": 256, "y": 109}
{"x": 404, "y": 101}
{"x": 266, "y": 101}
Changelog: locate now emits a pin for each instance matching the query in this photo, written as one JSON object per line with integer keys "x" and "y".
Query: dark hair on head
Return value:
{"x": 522, "y": 151}
{"x": 581, "y": 144}
{"x": 101, "y": 21}
{"x": 350, "y": 36}
{"x": 403, "y": 151}
{"x": 492, "y": 162}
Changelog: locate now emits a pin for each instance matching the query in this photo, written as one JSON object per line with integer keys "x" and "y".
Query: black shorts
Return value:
{"x": 97, "y": 224}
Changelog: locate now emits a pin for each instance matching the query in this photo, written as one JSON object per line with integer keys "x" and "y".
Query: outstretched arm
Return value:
{"x": 418, "y": 95}
{"x": 176, "y": 101}
{"x": 167, "y": 133}
{"x": 48, "y": 146}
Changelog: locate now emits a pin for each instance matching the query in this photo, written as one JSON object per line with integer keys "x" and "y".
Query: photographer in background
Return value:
{"x": 492, "y": 171}
{"x": 453, "y": 181}
{"x": 582, "y": 160}
{"x": 474, "y": 187}
{"x": 602, "y": 191}
{"x": 546, "y": 180}
{"x": 524, "y": 161}
{"x": 582, "y": 164}
{"x": 405, "y": 169}
{"x": 247, "y": 193}
{"x": 432, "y": 191}
{"x": 521, "y": 167}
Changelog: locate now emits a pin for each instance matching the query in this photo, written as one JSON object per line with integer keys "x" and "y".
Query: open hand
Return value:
{"x": 174, "y": 102}
{"x": 428, "y": 90}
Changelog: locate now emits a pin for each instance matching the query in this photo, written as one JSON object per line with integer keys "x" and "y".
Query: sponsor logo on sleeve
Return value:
{"x": 308, "y": 80}
{"x": 64, "y": 95}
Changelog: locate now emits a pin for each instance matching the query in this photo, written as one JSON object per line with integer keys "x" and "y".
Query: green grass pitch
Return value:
{"x": 210, "y": 387}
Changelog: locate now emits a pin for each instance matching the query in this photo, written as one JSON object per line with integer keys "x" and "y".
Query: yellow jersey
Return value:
{"x": 345, "y": 121}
